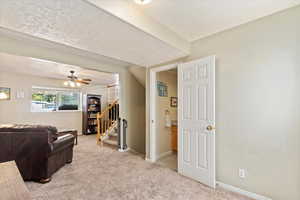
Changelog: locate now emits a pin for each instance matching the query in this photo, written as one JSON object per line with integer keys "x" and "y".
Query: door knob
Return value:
{"x": 210, "y": 128}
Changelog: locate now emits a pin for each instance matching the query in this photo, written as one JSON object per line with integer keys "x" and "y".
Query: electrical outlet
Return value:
{"x": 242, "y": 173}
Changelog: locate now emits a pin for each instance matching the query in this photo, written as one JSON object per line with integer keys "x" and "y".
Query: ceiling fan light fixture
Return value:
{"x": 74, "y": 81}
{"x": 142, "y": 2}
{"x": 72, "y": 84}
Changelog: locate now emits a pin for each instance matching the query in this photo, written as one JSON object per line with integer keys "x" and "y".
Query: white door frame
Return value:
{"x": 153, "y": 92}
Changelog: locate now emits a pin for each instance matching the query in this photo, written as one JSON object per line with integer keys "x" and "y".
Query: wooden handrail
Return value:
{"x": 108, "y": 108}
{"x": 107, "y": 119}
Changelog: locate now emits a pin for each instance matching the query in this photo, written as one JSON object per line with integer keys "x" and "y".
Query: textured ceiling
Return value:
{"x": 49, "y": 69}
{"x": 82, "y": 25}
{"x": 131, "y": 13}
{"x": 31, "y": 42}
{"x": 194, "y": 19}
{"x": 124, "y": 33}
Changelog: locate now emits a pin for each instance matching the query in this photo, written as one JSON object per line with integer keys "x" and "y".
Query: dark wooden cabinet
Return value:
{"x": 91, "y": 107}
{"x": 174, "y": 133}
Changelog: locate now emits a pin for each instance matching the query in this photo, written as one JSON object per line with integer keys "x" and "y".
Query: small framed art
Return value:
{"x": 162, "y": 89}
{"x": 4, "y": 93}
{"x": 173, "y": 102}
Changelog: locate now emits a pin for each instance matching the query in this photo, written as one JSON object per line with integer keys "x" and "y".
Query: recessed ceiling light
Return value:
{"x": 143, "y": 2}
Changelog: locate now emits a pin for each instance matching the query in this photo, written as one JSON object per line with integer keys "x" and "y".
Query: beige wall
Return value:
{"x": 130, "y": 89}
{"x": 18, "y": 110}
{"x": 163, "y": 139}
{"x": 136, "y": 113}
{"x": 257, "y": 104}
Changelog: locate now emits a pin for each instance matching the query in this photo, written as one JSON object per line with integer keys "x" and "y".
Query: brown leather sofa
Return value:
{"x": 36, "y": 149}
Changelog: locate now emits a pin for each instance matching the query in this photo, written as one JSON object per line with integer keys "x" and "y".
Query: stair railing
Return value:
{"x": 107, "y": 119}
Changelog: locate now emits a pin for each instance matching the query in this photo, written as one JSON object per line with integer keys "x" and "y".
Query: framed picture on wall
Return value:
{"x": 4, "y": 93}
{"x": 173, "y": 102}
{"x": 162, "y": 89}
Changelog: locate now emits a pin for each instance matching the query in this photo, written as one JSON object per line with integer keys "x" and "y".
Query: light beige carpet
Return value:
{"x": 169, "y": 161}
{"x": 102, "y": 173}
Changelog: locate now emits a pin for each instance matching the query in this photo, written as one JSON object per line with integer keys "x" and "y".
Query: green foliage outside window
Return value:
{"x": 50, "y": 98}
{"x": 44, "y": 100}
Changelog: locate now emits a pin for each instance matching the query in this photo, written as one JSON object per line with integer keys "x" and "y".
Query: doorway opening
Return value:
{"x": 195, "y": 122}
{"x": 166, "y": 118}
{"x": 163, "y": 86}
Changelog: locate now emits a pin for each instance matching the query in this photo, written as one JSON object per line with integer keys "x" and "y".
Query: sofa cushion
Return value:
{"x": 24, "y": 128}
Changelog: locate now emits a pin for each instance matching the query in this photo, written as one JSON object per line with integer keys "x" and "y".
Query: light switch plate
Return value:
{"x": 242, "y": 173}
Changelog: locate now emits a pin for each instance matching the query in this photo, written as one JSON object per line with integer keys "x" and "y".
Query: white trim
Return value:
{"x": 153, "y": 71}
{"x": 132, "y": 150}
{"x": 123, "y": 150}
{"x": 152, "y": 116}
{"x": 242, "y": 192}
{"x": 56, "y": 111}
{"x": 165, "y": 154}
{"x": 57, "y": 91}
{"x": 78, "y": 89}
{"x": 148, "y": 160}
{"x": 164, "y": 68}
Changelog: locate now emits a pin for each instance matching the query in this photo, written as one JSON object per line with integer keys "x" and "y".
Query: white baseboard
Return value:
{"x": 148, "y": 160}
{"x": 132, "y": 150}
{"x": 123, "y": 150}
{"x": 162, "y": 155}
{"x": 242, "y": 192}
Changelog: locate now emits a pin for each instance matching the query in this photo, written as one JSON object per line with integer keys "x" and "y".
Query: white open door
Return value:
{"x": 196, "y": 120}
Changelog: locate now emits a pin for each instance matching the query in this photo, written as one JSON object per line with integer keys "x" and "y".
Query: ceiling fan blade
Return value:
{"x": 83, "y": 82}
{"x": 86, "y": 79}
{"x": 86, "y": 83}
{"x": 78, "y": 80}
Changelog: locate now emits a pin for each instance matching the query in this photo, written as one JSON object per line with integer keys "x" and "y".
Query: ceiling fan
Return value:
{"x": 75, "y": 81}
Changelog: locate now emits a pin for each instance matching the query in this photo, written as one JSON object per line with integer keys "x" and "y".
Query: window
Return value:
{"x": 49, "y": 100}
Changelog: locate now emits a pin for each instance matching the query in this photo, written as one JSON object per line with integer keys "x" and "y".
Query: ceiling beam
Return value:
{"x": 130, "y": 12}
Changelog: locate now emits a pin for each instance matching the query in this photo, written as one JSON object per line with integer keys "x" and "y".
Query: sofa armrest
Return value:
{"x": 62, "y": 142}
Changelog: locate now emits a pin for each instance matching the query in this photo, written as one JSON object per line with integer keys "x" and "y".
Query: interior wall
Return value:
{"x": 18, "y": 110}
{"x": 257, "y": 104}
{"x": 136, "y": 116}
{"x": 163, "y": 139}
